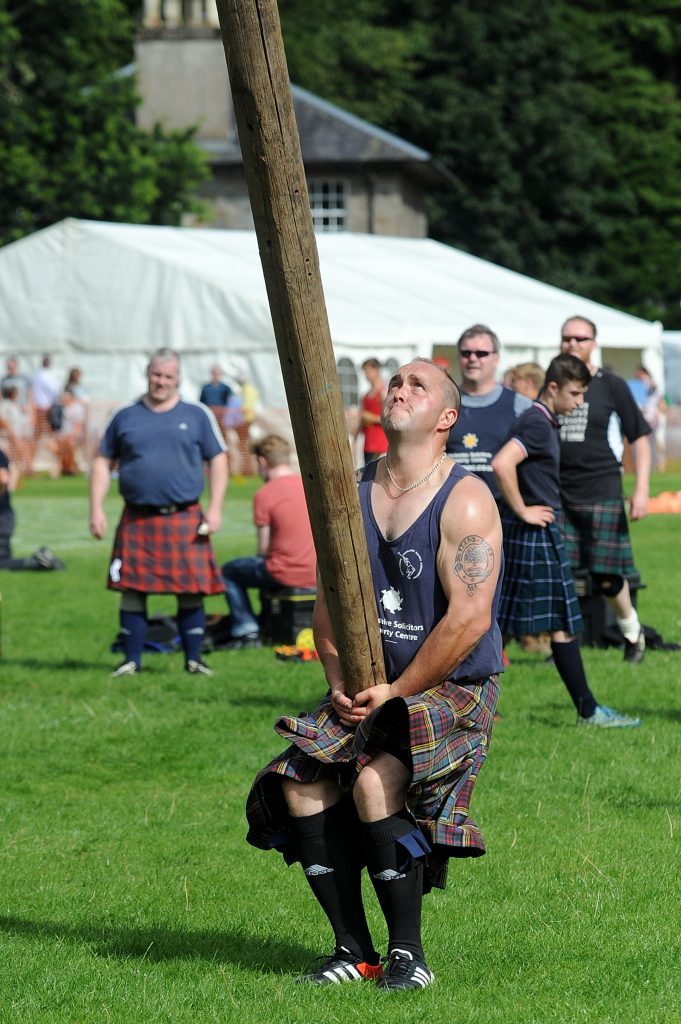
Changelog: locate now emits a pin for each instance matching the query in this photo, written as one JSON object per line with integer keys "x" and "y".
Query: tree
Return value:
{"x": 68, "y": 142}
{"x": 560, "y": 123}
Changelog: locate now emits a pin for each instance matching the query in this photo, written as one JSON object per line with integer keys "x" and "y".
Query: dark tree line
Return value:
{"x": 560, "y": 122}
{"x": 69, "y": 145}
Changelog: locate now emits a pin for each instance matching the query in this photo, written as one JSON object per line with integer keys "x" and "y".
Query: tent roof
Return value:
{"x": 87, "y": 285}
{"x": 377, "y": 288}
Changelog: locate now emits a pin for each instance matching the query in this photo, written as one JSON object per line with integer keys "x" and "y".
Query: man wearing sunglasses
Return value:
{"x": 488, "y": 409}
{"x": 594, "y": 526}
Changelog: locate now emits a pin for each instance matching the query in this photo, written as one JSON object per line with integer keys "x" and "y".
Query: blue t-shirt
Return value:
{"x": 409, "y": 596}
{"x": 161, "y": 455}
{"x": 215, "y": 394}
{"x": 536, "y": 431}
{"x": 482, "y": 429}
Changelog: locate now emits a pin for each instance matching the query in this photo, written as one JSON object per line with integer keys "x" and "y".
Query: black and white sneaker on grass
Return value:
{"x": 403, "y": 971}
{"x": 126, "y": 668}
{"x": 198, "y": 668}
{"x": 340, "y": 967}
{"x": 634, "y": 650}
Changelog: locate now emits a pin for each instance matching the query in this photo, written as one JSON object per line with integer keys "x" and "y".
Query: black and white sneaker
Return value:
{"x": 127, "y": 668}
{"x": 198, "y": 668}
{"x": 634, "y": 650}
{"x": 46, "y": 559}
{"x": 404, "y": 971}
{"x": 340, "y": 967}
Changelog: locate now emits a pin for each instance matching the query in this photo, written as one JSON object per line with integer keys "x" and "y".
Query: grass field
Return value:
{"x": 128, "y": 893}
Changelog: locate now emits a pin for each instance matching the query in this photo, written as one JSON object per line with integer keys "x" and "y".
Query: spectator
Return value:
{"x": 215, "y": 394}
{"x": 43, "y": 558}
{"x": 375, "y": 441}
{"x": 527, "y": 379}
{"x": 13, "y": 378}
{"x": 538, "y": 593}
{"x": 488, "y": 409}
{"x": 285, "y": 555}
{"x": 16, "y": 426}
{"x": 161, "y": 446}
{"x": 45, "y": 392}
{"x": 66, "y": 439}
{"x": 594, "y": 522}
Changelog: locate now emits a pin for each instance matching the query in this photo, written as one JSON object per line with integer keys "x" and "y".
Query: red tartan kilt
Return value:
{"x": 158, "y": 554}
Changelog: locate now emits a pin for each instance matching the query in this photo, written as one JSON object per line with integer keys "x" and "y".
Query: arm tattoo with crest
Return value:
{"x": 474, "y": 561}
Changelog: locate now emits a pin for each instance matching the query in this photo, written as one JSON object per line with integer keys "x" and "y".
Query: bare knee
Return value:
{"x": 380, "y": 788}
{"x": 304, "y": 799}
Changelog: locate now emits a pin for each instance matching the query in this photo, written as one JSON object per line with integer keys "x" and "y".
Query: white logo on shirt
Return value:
{"x": 182, "y": 426}
{"x": 411, "y": 564}
{"x": 391, "y": 600}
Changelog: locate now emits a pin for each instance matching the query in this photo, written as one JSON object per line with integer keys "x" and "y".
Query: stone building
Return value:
{"x": 360, "y": 178}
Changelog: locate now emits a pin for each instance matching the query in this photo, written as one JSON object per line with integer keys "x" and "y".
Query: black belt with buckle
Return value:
{"x": 162, "y": 510}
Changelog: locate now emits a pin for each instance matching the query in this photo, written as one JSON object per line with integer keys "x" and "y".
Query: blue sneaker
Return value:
{"x": 608, "y": 718}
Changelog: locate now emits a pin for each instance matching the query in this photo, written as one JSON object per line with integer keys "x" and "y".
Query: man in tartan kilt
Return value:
{"x": 161, "y": 446}
{"x": 385, "y": 780}
{"x": 594, "y": 519}
{"x": 538, "y": 593}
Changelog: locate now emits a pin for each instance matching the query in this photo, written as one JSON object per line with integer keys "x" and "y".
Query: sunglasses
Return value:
{"x": 466, "y": 353}
{"x": 573, "y": 337}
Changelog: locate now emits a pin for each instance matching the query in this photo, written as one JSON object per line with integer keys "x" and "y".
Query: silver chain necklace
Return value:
{"x": 411, "y": 487}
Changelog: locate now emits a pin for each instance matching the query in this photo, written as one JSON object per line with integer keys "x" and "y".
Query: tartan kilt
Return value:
{"x": 597, "y": 537}
{"x": 538, "y": 592}
{"x": 443, "y": 733}
{"x": 157, "y": 554}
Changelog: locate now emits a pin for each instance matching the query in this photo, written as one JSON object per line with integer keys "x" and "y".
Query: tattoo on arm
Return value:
{"x": 474, "y": 561}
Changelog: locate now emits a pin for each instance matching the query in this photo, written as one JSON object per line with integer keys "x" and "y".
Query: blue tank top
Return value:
{"x": 480, "y": 432}
{"x": 409, "y": 596}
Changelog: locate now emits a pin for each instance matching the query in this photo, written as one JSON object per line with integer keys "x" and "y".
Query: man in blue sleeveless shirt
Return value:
{"x": 488, "y": 409}
{"x": 385, "y": 780}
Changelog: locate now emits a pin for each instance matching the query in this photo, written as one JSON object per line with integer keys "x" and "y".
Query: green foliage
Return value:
{"x": 68, "y": 142}
{"x": 130, "y": 895}
{"x": 560, "y": 123}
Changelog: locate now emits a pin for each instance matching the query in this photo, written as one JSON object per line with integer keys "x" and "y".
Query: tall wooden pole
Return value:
{"x": 270, "y": 145}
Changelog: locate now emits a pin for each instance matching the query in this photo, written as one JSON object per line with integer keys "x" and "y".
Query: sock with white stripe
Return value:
{"x": 134, "y": 631}
{"x": 327, "y": 848}
{"x": 191, "y": 623}
{"x": 397, "y": 877}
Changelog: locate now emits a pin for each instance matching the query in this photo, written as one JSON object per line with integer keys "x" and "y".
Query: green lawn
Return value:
{"x": 128, "y": 893}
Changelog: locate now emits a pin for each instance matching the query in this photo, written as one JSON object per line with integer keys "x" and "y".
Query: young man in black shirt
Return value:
{"x": 595, "y": 526}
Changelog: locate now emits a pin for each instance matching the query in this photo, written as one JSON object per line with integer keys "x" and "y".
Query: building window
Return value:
{"x": 349, "y": 384}
{"x": 328, "y": 204}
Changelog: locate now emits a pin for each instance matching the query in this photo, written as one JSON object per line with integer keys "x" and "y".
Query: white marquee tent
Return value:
{"x": 103, "y": 296}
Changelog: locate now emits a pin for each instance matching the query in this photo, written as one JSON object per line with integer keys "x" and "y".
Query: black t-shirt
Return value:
{"x": 536, "y": 431}
{"x": 5, "y": 504}
{"x": 591, "y": 440}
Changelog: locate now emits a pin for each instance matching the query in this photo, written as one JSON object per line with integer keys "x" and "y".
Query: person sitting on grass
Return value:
{"x": 43, "y": 558}
{"x": 538, "y": 593}
{"x": 286, "y": 555}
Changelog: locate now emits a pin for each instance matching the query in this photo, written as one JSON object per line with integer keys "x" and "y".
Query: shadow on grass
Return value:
{"x": 159, "y": 943}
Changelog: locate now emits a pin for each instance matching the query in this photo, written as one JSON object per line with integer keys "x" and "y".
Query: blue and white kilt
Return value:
{"x": 538, "y": 592}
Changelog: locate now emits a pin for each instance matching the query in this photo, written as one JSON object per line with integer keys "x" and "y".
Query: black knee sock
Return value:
{"x": 568, "y": 660}
{"x": 397, "y": 878}
{"x": 328, "y": 853}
